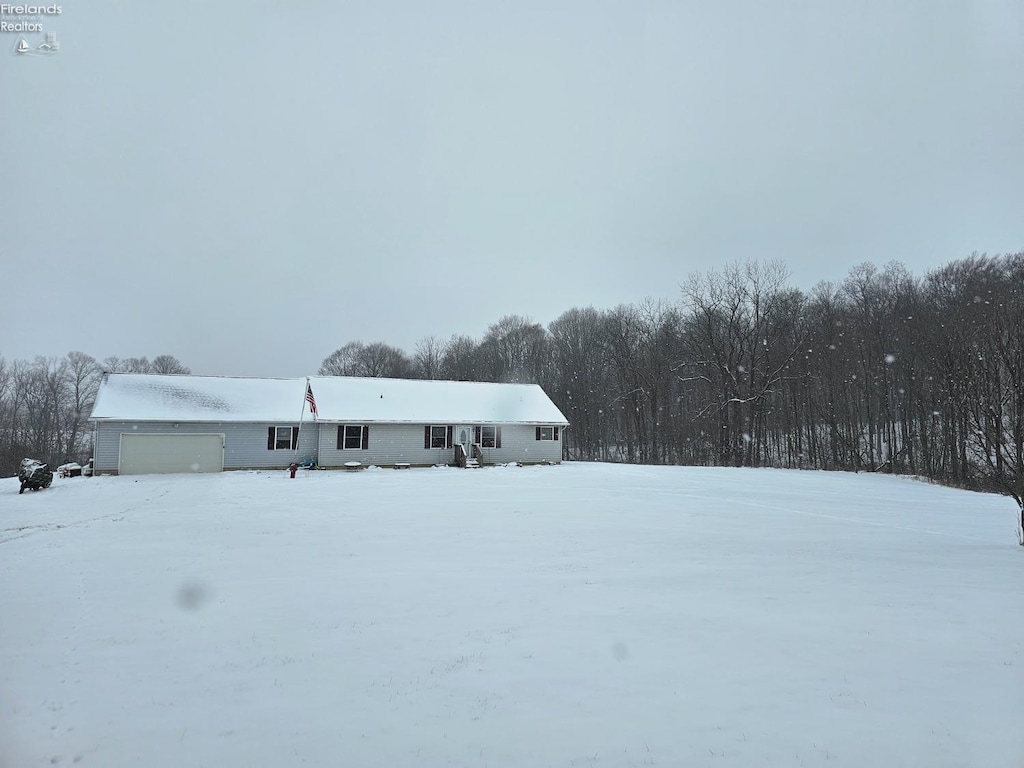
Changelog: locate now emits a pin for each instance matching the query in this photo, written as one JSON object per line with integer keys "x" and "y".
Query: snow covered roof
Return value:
{"x": 349, "y": 398}
{"x": 149, "y": 397}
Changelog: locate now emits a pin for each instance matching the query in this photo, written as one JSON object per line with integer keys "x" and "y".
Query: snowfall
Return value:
{"x": 578, "y": 615}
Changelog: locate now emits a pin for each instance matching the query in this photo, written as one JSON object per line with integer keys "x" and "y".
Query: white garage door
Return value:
{"x": 146, "y": 454}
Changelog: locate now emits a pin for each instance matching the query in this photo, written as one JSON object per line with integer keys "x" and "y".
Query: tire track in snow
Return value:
{"x": 23, "y": 531}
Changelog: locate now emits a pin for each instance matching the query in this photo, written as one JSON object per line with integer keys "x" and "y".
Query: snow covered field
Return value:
{"x": 582, "y": 615}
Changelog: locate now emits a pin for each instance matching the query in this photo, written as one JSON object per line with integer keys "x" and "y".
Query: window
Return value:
{"x": 282, "y": 438}
{"x": 437, "y": 437}
{"x": 547, "y": 433}
{"x": 353, "y": 437}
{"x": 487, "y": 436}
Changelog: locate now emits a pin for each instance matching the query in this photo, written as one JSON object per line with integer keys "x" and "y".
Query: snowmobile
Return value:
{"x": 34, "y": 475}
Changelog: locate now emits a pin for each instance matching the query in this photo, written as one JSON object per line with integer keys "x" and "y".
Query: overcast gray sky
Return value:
{"x": 250, "y": 185}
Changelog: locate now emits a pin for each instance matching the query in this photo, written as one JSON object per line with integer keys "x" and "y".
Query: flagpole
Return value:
{"x": 301, "y": 414}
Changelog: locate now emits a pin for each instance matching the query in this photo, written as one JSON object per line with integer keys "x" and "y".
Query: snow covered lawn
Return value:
{"x": 582, "y": 615}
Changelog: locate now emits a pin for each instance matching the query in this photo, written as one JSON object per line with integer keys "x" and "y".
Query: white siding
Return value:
{"x": 393, "y": 443}
{"x": 245, "y": 445}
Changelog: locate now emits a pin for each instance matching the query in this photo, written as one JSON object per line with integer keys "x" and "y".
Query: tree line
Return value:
{"x": 45, "y": 404}
{"x": 882, "y": 372}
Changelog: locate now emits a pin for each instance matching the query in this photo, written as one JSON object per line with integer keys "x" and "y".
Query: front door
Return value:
{"x": 464, "y": 437}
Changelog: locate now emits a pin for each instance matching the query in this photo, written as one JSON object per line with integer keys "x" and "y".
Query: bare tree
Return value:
{"x": 427, "y": 358}
{"x": 113, "y": 364}
{"x": 342, "y": 362}
{"x": 743, "y": 336}
{"x": 379, "y": 360}
{"x": 373, "y": 360}
{"x": 581, "y": 381}
{"x": 40, "y": 388}
{"x": 8, "y": 419}
{"x": 137, "y": 365}
{"x": 167, "y": 364}
{"x": 83, "y": 376}
{"x": 639, "y": 345}
{"x": 514, "y": 350}
{"x": 995, "y": 402}
{"x": 624, "y": 400}
{"x": 460, "y": 361}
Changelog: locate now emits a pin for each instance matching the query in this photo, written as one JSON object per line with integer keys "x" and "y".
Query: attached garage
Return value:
{"x": 149, "y": 454}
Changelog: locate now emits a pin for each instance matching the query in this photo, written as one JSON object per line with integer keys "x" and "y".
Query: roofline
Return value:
{"x": 439, "y": 422}
{"x": 419, "y": 422}
{"x": 323, "y": 378}
{"x": 206, "y": 376}
{"x": 433, "y": 381}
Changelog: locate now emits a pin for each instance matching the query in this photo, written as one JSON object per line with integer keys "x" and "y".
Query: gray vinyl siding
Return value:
{"x": 388, "y": 444}
{"x": 396, "y": 443}
{"x": 519, "y": 443}
{"x": 245, "y": 445}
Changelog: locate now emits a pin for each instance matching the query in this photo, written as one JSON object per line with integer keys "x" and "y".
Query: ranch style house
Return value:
{"x": 149, "y": 423}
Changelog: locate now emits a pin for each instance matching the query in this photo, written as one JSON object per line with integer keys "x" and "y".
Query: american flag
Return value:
{"x": 310, "y": 399}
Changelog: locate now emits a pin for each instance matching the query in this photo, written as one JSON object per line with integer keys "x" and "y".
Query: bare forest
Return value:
{"x": 45, "y": 404}
{"x": 881, "y": 372}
